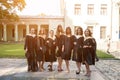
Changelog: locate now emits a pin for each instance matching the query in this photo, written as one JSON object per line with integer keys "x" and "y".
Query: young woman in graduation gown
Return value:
{"x": 78, "y": 48}
{"x": 59, "y": 38}
{"x": 88, "y": 51}
{"x": 41, "y": 49}
{"x": 50, "y": 50}
{"x": 67, "y": 47}
{"x": 30, "y": 48}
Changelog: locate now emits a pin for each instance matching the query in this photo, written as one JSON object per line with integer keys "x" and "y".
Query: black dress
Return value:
{"x": 78, "y": 49}
{"x": 30, "y": 42}
{"x": 50, "y": 50}
{"x": 68, "y": 46}
{"x": 89, "y": 53}
{"x": 59, "y": 43}
{"x": 41, "y": 48}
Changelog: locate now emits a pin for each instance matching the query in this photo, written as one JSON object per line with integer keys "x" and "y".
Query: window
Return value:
{"x": 90, "y": 10}
{"x": 102, "y": 32}
{"x": 90, "y": 28}
{"x": 77, "y": 10}
{"x": 103, "y": 9}
{"x": 13, "y": 32}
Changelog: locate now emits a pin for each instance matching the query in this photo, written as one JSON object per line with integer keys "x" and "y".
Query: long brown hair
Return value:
{"x": 90, "y": 33}
{"x": 40, "y": 32}
{"x": 68, "y": 28}
{"x": 58, "y": 31}
{"x": 80, "y": 30}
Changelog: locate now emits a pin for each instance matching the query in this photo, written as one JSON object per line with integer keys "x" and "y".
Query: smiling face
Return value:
{"x": 32, "y": 31}
{"x": 68, "y": 31}
{"x": 59, "y": 28}
{"x": 79, "y": 31}
{"x": 87, "y": 33}
{"x": 42, "y": 31}
{"x": 51, "y": 33}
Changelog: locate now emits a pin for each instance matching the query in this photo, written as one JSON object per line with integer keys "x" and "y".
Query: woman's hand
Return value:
{"x": 47, "y": 41}
{"x": 74, "y": 43}
{"x": 62, "y": 48}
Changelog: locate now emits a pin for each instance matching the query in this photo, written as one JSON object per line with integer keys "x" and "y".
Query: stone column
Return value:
{"x": 4, "y": 33}
{"x": 27, "y": 29}
{"x": 39, "y": 28}
{"x": 16, "y": 32}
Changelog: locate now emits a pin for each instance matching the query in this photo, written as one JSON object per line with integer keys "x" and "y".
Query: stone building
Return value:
{"x": 102, "y": 17}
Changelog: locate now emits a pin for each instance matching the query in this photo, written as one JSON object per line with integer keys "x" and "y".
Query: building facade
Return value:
{"x": 102, "y": 17}
{"x": 16, "y": 31}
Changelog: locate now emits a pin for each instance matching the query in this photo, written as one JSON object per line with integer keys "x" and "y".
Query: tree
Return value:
{"x": 9, "y": 8}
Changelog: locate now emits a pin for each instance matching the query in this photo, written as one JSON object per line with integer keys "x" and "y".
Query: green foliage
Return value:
{"x": 9, "y": 8}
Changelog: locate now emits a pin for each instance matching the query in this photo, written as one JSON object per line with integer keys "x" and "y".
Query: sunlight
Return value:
{"x": 37, "y": 7}
{"x": 13, "y": 50}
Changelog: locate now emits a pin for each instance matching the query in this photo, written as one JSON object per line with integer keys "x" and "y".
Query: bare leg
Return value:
{"x": 43, "y": 62}
{"x": 87, "y": 69}
{"x": 67, "y": 65}
{"x": 78, "y": 66}
{"x": 60, "y": 64}
{"x": 40, "y": 66}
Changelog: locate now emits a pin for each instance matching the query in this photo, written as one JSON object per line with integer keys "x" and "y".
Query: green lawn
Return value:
{"x": 11, "y": 50}
{"x": 15, "y": 50}
{"x": 103, "y": 55}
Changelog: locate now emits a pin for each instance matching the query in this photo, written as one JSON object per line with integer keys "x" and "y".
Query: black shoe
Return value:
{"x": 50, "y": 68}
{"x": 97, "y": 60}
{"x": 77, "y": 72}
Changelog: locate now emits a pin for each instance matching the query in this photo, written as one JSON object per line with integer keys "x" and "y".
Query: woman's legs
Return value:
{"x": 40, "y": 66}
{"x": 87, "y": 69}
{"x": 67, "y": 65}
{"x": 78, "y": 66}
{"x": 60, "y": 64}
{"x": 43, "y": 62}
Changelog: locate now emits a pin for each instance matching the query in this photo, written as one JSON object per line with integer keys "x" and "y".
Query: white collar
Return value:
{"x": 78, "y": 36}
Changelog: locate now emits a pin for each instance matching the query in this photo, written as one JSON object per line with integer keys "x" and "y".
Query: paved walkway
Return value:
{"x": 16, "y": 69}
{"x": 109, "y": 68}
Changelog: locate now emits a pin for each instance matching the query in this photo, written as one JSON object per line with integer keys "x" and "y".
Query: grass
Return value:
{"x": 104, "y": 55}
{"x": 11, "y": 50}
{"x": 15, "y": 50}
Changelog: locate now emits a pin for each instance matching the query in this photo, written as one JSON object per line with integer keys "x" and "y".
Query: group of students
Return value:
{"x": 58, "y": 47}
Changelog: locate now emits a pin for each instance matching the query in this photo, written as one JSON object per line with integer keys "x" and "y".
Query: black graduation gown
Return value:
{"x": 78, "y": 49}
{"x": 31, "y": 52}
{"x": 68, "y": 46}
{"x": 59, "y": 43}
{"x": 50, "y": 50}
{"x": 89, "y": 53}
{"x": 41, "y": 48}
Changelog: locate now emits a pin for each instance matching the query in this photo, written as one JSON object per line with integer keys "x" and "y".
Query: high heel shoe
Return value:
{"x": 59, "y": 70}
{"x": 50, "y": 68}
{"x": 88, "y": 74}
{"x": 77, "y": 72}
